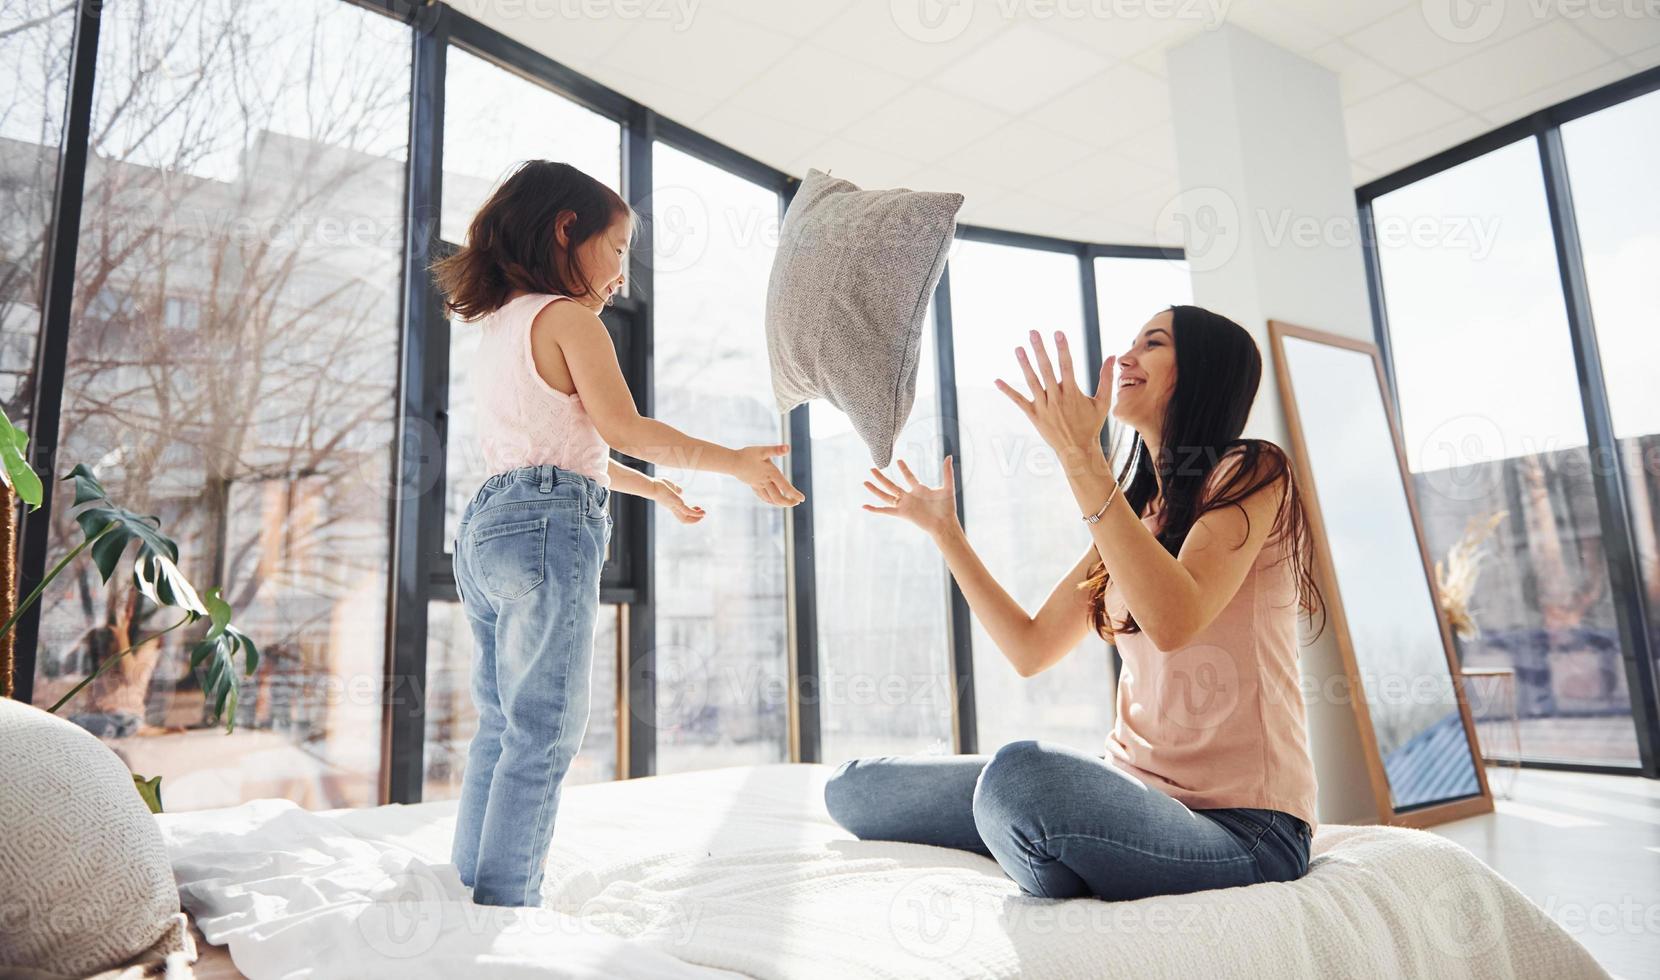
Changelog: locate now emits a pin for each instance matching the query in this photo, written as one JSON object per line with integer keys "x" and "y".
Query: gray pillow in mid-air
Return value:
{"x": 847, "y": 298}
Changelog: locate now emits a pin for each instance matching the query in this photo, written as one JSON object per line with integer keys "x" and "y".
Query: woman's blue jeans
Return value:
{"x": 1064, "y": 824}
{"x": 528, "y": 555}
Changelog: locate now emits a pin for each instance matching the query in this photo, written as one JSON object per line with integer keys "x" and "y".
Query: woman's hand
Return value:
{"x": 755, "y": 467}
{"x": 1067, "y": 419}
{"x": 667, "y": 493}
{"x": 934, "y": 509}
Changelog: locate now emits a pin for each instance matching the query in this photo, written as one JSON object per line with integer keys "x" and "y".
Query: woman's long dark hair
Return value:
{"x": 511, "y": 243}
{"x": 1218, "y": 369}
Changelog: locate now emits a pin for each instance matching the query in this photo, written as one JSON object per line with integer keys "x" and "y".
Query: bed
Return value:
{"x": 739, "y": 872}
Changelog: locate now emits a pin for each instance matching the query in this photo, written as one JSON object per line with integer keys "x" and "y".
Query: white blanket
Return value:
{"x": 741, "y": 870}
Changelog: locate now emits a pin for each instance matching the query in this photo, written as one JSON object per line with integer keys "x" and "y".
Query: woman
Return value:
{"x": 1196, "y": 571}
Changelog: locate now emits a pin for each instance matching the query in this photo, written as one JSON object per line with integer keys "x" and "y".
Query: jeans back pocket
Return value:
{"x": 511, "y": 557}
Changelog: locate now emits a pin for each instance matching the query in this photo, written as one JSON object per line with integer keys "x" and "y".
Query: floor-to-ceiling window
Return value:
{"x": 884, "y": 646}
{"x": 722, "y": 672}
{"x": 1495, "y": 438}
{"x": 232, "y": 369}
{"x": 1613, "y": 157}
{"x": 1017, "y": 508}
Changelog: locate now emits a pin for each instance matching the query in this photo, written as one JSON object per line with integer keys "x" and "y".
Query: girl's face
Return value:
{"x": 1147, "y": 376}
{"x": 604, "y": 259}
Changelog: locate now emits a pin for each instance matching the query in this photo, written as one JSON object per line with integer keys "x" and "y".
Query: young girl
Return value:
{"x": 1197, "y": 569}
{"x": 543, "y": 256}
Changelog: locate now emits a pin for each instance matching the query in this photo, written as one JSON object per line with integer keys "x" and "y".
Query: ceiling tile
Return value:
{"x": 1119, "y": 29}
{"x": 926, "y": 122}
{"x": 1645, "y": 59}
{"x": 879, "y": 34}
{"x": 1152, "y": 147}
{"x": 1143, "y": 211}
{"x": 1395, "y": 114}
{"x": 715, "y": 56}
{"x": 1097, "y": 181}
{"x": 676, "y": 102}
{"x": 868, "y": 166}
{"x": 1123, "y": 99}
{"x": 799, "y": 20}
{"x": 1022, "y": 212}
{"x": 776, "y": 142}
{"x": 1547, "y": 54}
{"x": 818, "y": 89}
{"x": 1613, "y": 26}
{"x": 1334, "y": 19}
{"x": 1513, "y": 109}
{"x": 1107, "y": 230}
{"x": 1425, "y": 144}
{"x": 978, "y": 209}
{"x": 1358, "y": 77}
{"x": 974, "y": 185}
{"x": 1269, "y": 22}
{"x": 1419, "y": 37}
{"x": 1152, "y": 62}
{"x": 1020, "y": 153}
{"x": 1019, "y": 69}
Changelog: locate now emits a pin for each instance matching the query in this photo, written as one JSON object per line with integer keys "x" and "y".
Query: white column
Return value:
{"x": 1270, "y": 225}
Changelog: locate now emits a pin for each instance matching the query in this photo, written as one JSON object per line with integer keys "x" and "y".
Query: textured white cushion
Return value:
{"x": 85, "y": 882}
{"x": 848, "y": 296}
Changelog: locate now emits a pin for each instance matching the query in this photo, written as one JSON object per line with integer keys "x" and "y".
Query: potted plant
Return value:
{"x": 107, "y": 532}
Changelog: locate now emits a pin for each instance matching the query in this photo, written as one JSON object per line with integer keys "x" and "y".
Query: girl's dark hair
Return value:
{"x": 1218, "y": 368}
{"x": 511, "y": 244}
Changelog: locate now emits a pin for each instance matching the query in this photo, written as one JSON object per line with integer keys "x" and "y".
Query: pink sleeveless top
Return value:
{"x": 522, "y": 420}
{"x": 1220, "y": 721}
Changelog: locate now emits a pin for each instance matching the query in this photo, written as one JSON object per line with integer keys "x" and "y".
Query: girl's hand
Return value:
{"x": 667, "y": 493}
{"x": 934, "y": 509}
{"x": 755, "y": 467}
{"x": 1067, "y": 419}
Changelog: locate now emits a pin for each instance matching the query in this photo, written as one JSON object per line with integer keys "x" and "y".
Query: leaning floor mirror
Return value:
{"x": 1378, "y": 581}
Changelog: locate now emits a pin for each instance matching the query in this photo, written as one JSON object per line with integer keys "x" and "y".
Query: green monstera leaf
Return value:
{"x": 218, "y": 651}
{"x": 14, "y": 463}
{"x": 149, "y": 790}
{"x": 111, "y": 529}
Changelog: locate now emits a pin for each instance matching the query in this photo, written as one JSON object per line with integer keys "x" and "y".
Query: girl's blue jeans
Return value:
{"x": 1064, "y": 824}
{"x": 528, "y": 555}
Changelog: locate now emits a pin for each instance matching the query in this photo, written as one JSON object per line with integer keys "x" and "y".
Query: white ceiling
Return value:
{"x": 1053, "y": 116}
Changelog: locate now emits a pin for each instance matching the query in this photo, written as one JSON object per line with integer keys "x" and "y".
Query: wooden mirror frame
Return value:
{"x": 1427, "y": 814}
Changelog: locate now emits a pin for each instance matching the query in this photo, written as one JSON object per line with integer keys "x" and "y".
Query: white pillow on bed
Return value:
{"x": 85, "y": 883}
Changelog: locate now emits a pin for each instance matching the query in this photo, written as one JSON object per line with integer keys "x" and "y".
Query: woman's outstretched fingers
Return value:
{"x": 1103, "y": 387}
{"x": 909, "y": 476}
{"x": 1063, "y": 351}
{"x": 880, "y": 493}
{"x": 1044, "y": 366}
{"x": 1033, "y": 385}
{"x": 892, "y": 487}
{"x": 1016, "y": 397}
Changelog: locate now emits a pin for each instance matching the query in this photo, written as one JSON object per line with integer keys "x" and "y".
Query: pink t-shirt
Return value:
{"x": 522, "y": 420}
{"x": 1220, "y": 721}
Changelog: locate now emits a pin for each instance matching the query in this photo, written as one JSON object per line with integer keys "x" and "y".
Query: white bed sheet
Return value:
{"x": 741, "y": 871}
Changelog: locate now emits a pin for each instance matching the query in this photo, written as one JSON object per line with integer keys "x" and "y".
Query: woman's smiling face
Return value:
{"x": 1147, "y": 376}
